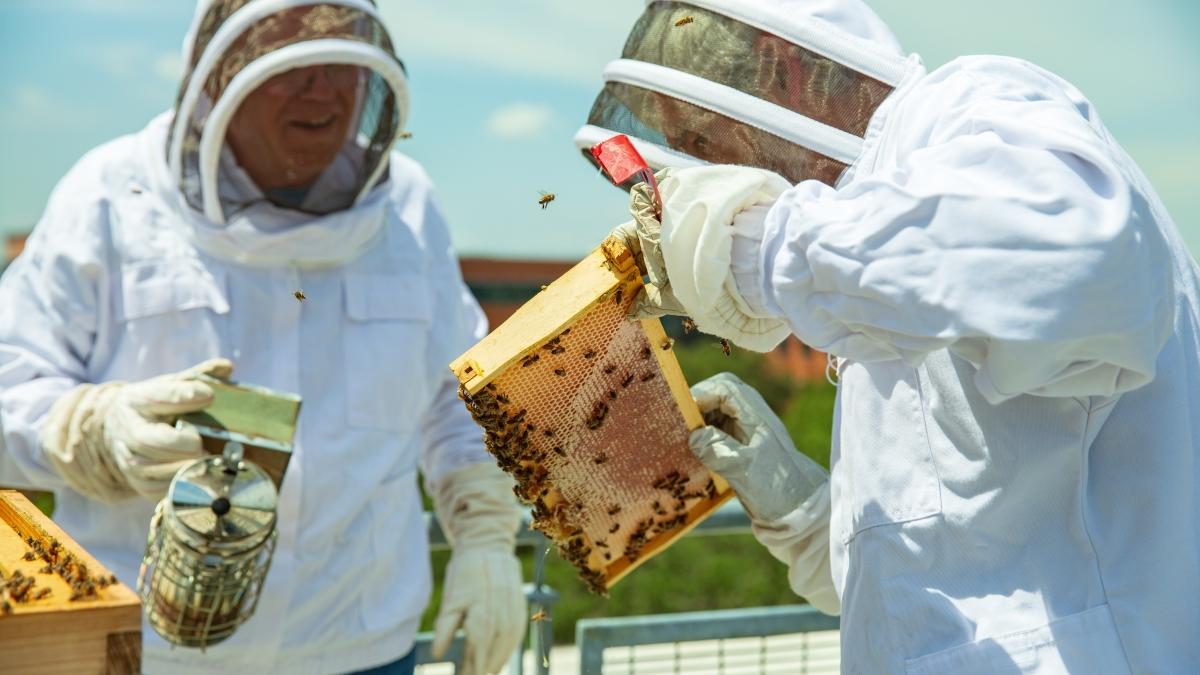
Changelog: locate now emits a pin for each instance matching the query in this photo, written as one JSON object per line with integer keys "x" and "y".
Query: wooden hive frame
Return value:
{"x": 607, "y": 280}
{"x": 101, "y": 631}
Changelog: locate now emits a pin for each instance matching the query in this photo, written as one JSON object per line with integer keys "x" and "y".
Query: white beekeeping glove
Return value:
{"x": 482, "y": 590}
{"x": 785, "y": 492}
{"x": 689, "y": 255}
{"x": 113, "y": 440}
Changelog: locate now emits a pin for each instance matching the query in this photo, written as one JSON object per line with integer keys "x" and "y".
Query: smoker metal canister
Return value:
{"x": 209, "y": 549}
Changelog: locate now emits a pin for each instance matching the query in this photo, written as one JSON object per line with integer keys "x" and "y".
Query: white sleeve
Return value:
{"x": 800, "y": 540}
{"x": 50, "y": 301}
{"x": 1010, "y": 235}
{"x": 451, "y": 439}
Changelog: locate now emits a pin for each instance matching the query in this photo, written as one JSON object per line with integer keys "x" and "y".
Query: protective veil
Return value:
{"x": 156, "y": 252}
{"x": 1015, "y": 320}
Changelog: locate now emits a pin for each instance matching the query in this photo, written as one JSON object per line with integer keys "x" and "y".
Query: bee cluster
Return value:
{"x": 18, "y": 587}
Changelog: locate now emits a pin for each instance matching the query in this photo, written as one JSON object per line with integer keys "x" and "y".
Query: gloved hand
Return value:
{"x": 688, "y": 257}
{"x": 643, "y": 237}
{"x": 113, "y": 440}
{"x": 482, "y": 589}
{"x": 750, "y": 448}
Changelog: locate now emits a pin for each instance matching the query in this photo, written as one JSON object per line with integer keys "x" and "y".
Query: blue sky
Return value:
{"x": 499, "y": 88}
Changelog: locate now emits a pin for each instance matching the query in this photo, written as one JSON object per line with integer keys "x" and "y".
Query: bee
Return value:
{"x": 540, "y": 615}
{"x": 565, "y": 331}
{"x": 503, "y": 399}
{"x": 612, "y": 394}
{"x": 529, "y": 360}
{"x": 684, "y": 21}
{"x": 545, "y": 200}
{"x": 76, "y": 595}
{"x": 627, "y": 381}
{"x": 29, "y": 555}
{"x": 589, "y": 354}
{"x": 112, "y": 579}
{"x": 666, "y": 344}
{"x": 725, "y": 347}
{"x": 558, "y": 350}
{"x": 560, "y": 372}
{"x": 46, "y": 570}
{"x": 41, "y": 594}
{"x": 547, "y": 432}
{"x": 299, "y": 295}
{"x": 544, "y": 287}
{"x": 559, "y": 451}
{"x": 614, "y": 509}
{"x": 607, "y": 555}
{"x": 600, "y": 458}
{"x": 689, "y": 326}
{"x": 614, "y": 528}
{"x": 405, "y": 135}
{"x": 619, "y": 295}
{"x": 645, "y": 353}
{"x": 609, "y": 369}
{"x": 5, "y": 608}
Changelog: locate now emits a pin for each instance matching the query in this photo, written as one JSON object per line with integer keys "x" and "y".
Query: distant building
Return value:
{"x": 13, "y": 245}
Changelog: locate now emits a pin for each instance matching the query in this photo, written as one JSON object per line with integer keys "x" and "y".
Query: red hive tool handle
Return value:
{"x": 621, "y": 161}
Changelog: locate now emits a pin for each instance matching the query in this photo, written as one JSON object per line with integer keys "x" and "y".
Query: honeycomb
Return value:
{"x": 588, "y": 424}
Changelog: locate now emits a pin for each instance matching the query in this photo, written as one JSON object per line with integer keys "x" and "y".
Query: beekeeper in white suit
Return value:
{"x": 1010, "y": 310}
{"x": 182, "y": 248}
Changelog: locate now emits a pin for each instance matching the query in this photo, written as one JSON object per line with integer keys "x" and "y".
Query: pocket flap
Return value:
{"x": 162, "y": 287}
{"x": 374, "y": 297}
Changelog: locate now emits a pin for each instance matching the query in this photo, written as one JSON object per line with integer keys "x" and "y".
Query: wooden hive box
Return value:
{"x": 590, "y": 413}
{"x": 98, "y": 632}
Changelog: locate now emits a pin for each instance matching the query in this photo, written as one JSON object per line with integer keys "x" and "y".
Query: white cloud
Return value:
{"x": 169, "y": 66}
{"x": 519, "y": 120}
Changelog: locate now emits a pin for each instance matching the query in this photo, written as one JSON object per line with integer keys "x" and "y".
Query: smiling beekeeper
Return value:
{"x": 1010, "y": 310}
{"x": 181, "y": 249}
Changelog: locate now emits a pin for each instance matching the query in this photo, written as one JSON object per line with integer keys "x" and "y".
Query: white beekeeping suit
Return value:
{"x": 158, "y": 252}
{"x": 1015, "y": 484}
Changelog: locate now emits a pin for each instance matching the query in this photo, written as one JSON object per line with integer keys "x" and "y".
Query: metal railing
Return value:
{"x": 594, "y": 634}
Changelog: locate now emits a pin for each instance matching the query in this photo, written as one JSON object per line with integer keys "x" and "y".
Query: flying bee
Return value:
{"x": 299, "y": 294}
{"x": 684, "y": 21}
{"x": 540, "y": 615}
{"x": 405, "y": 135}
{"x": 689, "y": 326}
{"x": 545, "y": 200}
{"x": 725, "y": 347}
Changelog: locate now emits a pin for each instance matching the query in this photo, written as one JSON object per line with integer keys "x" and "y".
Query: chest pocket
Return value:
{"x": 887, "y": 474}
{"x": 178, "y": 303}
{"x": 384, "y": 345}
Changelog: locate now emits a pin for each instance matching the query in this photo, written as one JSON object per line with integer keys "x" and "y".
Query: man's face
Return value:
{"x": 290, "y": 128}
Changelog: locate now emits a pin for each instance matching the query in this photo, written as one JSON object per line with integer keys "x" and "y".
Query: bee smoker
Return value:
{"x": 209, "y": 549}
